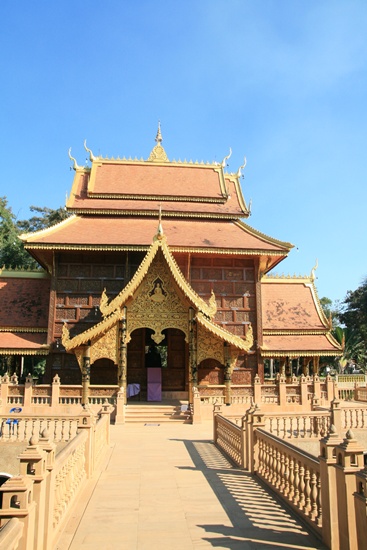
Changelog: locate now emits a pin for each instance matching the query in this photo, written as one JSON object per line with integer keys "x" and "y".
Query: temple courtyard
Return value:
{"x": 166, "y": 486}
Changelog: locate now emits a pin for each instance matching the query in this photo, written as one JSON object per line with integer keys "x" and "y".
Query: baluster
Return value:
{"x": 291, "y": 479}
{"x": 318, "y": 500}
{"x": 261, "y": 451}
{"x": 286, "y": 476}
{"x": 291, "y": 433}
{"x": 313, "y": 496}
{"x": 271, "y": 464}
{"x": 278, "y": 470}
{"x": 296, "y": 483}
{"x": 278, "y": 427}
{"x": 297, "y": 428}
{"x": 266, "y": 460}
{"x": 304, "y": 419}
{"x": 62, "y": 435}
{"x": 307, "y": 491}
{"x": 282, "y": 472}
{"x": 301, "y": 502}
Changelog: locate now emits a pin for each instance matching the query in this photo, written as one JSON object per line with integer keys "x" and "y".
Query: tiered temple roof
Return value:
{"x": 115, "y": 206}
{"x": 293, "y": 319}
{"x": 24, "y": 312}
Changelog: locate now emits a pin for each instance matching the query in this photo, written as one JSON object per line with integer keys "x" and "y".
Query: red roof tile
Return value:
{"x": 22, "y": 340}
{"x": 80, "y": 201}
{"x": 24, "y": 302}
{"x": 116, "y": 231}
{"x": 289, "y": 306}
{"x": 151, "y": 179}
{"x": 317, "y": 343}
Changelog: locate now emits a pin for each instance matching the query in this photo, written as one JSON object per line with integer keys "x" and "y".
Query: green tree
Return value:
{"x": 12, "y": 253}
{"x": 354, "y": 351}
{"x": 354, "y": 313}
{"x": 45, "y": 217}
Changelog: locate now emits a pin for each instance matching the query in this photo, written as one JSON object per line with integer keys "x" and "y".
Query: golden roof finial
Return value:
{"x": 160, "y": 228}
{"x": 91, "y": 156}
{"x": 75, "y": 166}
{"x": 241, "y": 167}
{"x": 158, "y": 137}
{"x": 224, "y": 161}
{"x": 313, "y": 276}
{"x": 158, "y": 154}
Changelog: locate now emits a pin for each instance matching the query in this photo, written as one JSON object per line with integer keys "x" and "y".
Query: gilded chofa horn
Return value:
{"x": 75, "y": 166}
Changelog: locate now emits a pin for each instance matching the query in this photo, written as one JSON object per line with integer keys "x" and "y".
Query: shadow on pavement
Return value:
{"x": 259, "y": 520}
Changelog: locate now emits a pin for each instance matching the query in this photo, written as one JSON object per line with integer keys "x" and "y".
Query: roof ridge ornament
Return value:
{"x": 76, "y": 165}
{"x": 239, "y": 173}
{"x": 160, "y": 228}
{"x": 158, "y": 154}
{"x": 313, "y": 276}
{"x": 91, "y": 156}
{"x": 224, "y": 161}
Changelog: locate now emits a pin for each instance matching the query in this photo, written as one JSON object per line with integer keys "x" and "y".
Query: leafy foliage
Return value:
{"x": 12, "y": 252}
{"x": 46, "y": 218}
{"x": 355, "y": 310}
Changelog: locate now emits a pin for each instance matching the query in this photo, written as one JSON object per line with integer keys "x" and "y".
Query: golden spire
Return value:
{"x": 158, "y": 154}
{"x": 160, "y": 228}
{"x": 158, "y": 137}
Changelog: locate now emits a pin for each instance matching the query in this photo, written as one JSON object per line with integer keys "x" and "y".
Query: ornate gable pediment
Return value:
{"x": 157, "y": 304}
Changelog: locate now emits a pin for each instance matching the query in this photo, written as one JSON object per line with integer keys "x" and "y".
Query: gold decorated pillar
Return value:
{"x": 227, "y": 375}
{"x": 282, "y": 364}
{"x": 316, "y": 364}
{"x": 193, "y": 374}
{"x": 305, "y": 369}
{"x": 86, "y": 376}
{"x": 122, "y": 364}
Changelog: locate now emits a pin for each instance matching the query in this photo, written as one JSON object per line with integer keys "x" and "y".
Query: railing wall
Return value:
{"x": 41, "y": 498}
{"x": 328, "y": 492}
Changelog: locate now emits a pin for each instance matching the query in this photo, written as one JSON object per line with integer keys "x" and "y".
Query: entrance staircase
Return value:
{"x": 157, "y": 413}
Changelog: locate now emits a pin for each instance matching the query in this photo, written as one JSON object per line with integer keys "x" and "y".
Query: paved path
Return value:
{"x": 167, "y": 487}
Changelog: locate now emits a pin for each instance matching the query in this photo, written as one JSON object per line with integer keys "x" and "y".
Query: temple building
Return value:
{"x": 156, "y": 282}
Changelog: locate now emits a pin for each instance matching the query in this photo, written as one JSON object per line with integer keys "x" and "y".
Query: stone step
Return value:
{"x": 156, "y": 413}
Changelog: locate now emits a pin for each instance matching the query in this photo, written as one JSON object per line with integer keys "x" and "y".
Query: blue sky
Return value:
{"x": 283, "y": 82}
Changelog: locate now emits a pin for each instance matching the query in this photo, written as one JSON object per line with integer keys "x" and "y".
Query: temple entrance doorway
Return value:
{"x": 171, "y": 356}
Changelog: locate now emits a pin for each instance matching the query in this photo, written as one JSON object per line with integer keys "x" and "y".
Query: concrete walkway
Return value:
{"x": 167, "y": 487}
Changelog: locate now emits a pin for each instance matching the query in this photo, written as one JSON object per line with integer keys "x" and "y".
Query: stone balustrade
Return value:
{"x": 42, "y": 398}
{"x": 19, "y": 427}
{"x": 311, "y": 424}
{"x": 286, "y": 394}
{"x": 36, "y": 504}
{"x": 228, "y": 437}
{"x": 293, "y": 474}
{"x": 360, "y": 394}
{"x": 329, "y": 492}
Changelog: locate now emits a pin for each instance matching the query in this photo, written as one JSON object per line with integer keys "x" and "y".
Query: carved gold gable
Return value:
{"x": 209, "y": 346}
{"x": 156, "y": 304}
{"x": 106, "y": 346}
